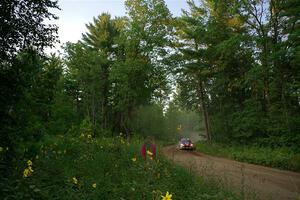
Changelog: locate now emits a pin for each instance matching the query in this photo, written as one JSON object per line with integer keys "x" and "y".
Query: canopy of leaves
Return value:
{"x": 23, "y": 25}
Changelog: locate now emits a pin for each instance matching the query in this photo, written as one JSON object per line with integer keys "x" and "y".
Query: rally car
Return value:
{"x": 185, "y": 144}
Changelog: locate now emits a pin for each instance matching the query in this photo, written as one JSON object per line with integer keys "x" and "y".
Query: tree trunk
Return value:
{"x": 93, "y": 112}
{"x": 204, "y": 110}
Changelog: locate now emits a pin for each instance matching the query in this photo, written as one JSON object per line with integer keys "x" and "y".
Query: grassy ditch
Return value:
{"x": 281, "y": 158}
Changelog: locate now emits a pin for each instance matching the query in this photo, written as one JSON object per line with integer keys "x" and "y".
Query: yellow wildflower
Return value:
{"x": 94, "y": 185}
{"x": 26, "y": 173}
{"x": 30, "y": 169}
{"x": 167, "y": 196}
{"x": 89, "y": 136}
{"x": 133, "y": 159}
{"x": 149, "y": 153}
{"x": 29, "y": 163}
{"x": 75, "y": 181}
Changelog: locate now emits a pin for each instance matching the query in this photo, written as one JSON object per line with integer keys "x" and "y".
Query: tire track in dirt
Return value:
{"x": 250, "y": 180}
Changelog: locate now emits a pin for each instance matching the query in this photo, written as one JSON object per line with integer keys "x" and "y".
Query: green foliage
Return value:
{"x": 235, "y": 62}
{"x": 24, "y": 34}
{"x": 108, "y": 163}
{"x": 150, "y": 121}
{"x": 28, "y": 115}
{"x": 130, "y": 85}
{"x": 239, "y": 70}
{"x": 280, "y": 157}
{"x": 86, "y": 128}
{"x": 23, "y": 26}
{"x": 63, "y": 115}
{"x": 115, "y": 68}
{"x": 182, "y": 123}
{"x": 101, "y": 33}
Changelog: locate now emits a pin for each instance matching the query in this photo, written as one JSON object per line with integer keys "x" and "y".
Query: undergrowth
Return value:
{"x": 103, "y": 168}
{"x": 281, "y": 157}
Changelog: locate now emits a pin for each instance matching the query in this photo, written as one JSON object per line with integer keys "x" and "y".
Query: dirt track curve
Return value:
{"x": 263, "y": 182}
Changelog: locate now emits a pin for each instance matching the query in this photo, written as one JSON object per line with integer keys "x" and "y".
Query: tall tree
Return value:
{"x": 101, "y": 37}
{"x": 194, "y": 70}
{"x": 216, "y": 54}
{"x": 137, "y": 76}
{"x": 243, "y": 53}
{"x": 23, "y": 28}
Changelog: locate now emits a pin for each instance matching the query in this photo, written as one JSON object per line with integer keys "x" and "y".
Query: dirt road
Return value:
{"x": 264, "y": 182}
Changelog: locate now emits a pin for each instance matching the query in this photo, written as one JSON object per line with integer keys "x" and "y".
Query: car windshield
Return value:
{"x": 186, "y": 141}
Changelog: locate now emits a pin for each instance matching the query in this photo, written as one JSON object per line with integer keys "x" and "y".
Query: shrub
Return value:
{"x": 103, "y": 168}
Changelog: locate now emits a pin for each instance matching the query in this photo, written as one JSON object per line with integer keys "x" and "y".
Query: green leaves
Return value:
{"x": 108, "y": 163}
{"x": 101, "y": 33}
{"x": 23, "y": 26}
{"x": 130, "y": 86}
{"x": 234, "y": 58}
{"x": 118, "y": 64}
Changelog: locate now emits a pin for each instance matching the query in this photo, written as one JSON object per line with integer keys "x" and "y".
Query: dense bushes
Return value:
{"x": 87, "y": 168}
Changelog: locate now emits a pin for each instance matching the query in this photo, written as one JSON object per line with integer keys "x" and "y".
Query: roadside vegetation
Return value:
{"x": 281, "y": 157}
{"x": 229, "y": 68}
{"x": 69, "y": 167}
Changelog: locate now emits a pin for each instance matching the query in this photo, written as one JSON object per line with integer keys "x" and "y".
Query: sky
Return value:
{"x": 74, "y": 14}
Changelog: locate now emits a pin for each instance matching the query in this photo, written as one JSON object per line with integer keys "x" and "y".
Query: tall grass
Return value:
{"x": 281, "y": 157}
{"x": 104, "y": 168}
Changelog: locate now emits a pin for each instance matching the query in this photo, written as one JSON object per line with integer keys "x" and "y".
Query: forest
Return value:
{"x": 229, "y": 70}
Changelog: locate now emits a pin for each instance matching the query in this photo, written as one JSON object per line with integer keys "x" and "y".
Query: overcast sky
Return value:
{"x": 74, "y": 14}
